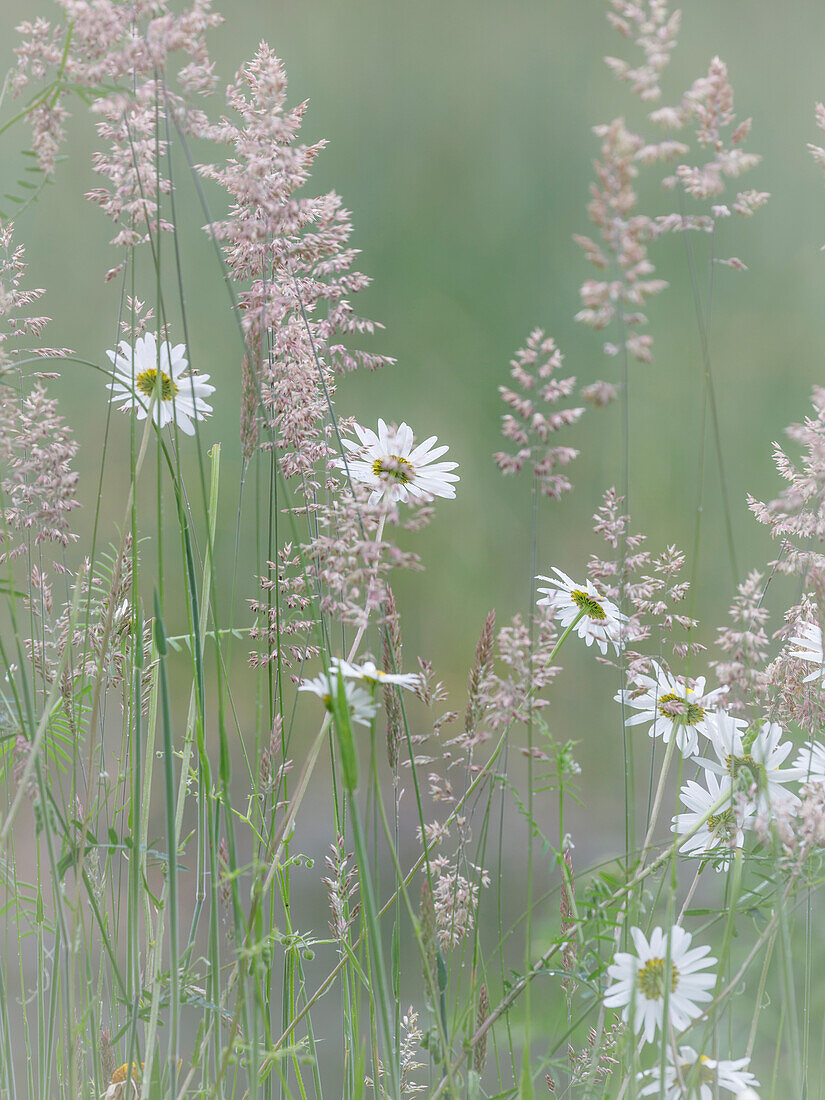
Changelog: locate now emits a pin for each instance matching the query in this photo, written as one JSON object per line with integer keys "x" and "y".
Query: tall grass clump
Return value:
{"x": 196, "y": 763}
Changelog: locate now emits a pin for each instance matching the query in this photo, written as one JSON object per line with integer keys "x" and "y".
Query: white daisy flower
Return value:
{"x": 395, "y": 469}
{"x": 368, "y": 674}
{"x": 697, "y": 1077}
{"x": 602, "y": 621}
{"x": 672, "y": 706}
{"x": 724, "y": 828}
{"x": 362, "y": 707}
{"x": 667, "y": 965}
{"x": 175, "y": 397}
{"x": 810, "y": 764}
{"x": 759, "y": 764}
{"x": 809, "y": 640}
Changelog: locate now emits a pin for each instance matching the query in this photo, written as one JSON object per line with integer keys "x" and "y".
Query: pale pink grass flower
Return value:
{"x": 512, "y": 695}
{"x": 745, "y": 645}
{"x": 39, "y": 485}
{"x": 292, "y": 255}
{"x": 533, "y": 421}
{"x": 653, "y": 28}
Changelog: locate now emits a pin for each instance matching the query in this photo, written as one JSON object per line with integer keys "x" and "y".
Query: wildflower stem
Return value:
{"x": 709, "y": 398}
{"x": 760, "y": 994}
{"x": 564, "y": 636}
{"x": 362, "y": 628}
{"x": 528, "y": 938}
{"x": 689, "y": 895}
{"x": 657, "y": 801}
{"x": 376, "y": 953}
{"x": 171, "y": 846}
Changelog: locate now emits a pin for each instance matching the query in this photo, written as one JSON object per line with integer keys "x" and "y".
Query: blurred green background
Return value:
{"x": 460, "y": 138}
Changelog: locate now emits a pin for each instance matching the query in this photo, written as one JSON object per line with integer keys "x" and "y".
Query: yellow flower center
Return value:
{"x": 680, "y": 710}
{"x": 147, "y": 382}
{"x": 121, "y": 1074}
{"x": 707, "y": 1076}
{"x": 397, "y": 468}
{"x": 698, "y": 1073}
{"x": 723, "y": 824}
{"x": 736, "y": 764}
{"x": 588, "y": 604}
{"x": 651, "y": 979}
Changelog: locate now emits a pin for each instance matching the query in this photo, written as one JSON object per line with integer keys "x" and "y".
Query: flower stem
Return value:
{"x": 657, "y": 801}
{"x": 563, "y": 638}
{"x": 362, "y": 628}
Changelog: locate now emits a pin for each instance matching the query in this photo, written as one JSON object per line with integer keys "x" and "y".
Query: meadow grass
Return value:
{"x": 182, "y": 747}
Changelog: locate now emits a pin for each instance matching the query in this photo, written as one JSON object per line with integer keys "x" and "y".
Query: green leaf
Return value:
{"x": 346, "y": 742}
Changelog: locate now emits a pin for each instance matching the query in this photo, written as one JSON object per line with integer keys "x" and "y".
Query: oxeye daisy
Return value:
{"x": 601, "y": 622}
{"x": 810, "y": 763}
{"x": 697, "y": 1076}
{"x": 147, "y": 376}
{"x": 123, "y": 1083}
{"x": 394, "y": 468}
{"x": 672, "y": 706}
{"x": 809, "y": 641}
{"x": 752, "y": 760}
{"x": 362, "y": 708}
{"x": 370, "y": 675}
{"x": 665, "y": 968}
{"x": 723, "y": 830}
